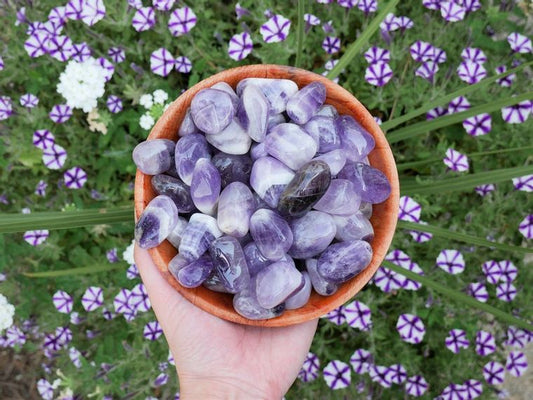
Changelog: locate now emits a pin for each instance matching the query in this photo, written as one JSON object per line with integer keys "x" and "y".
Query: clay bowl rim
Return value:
{"x": 384, "y": 216}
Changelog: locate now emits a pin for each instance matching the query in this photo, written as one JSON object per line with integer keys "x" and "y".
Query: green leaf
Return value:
{"x": 356, "y": 46}
{"x": 461, "y": 237}
{"x": 459, "y": 297}
{"x": 466, "y": 182}
{"x": 300, "y": 33}
{"x": 426, "y": 126}
{"x": 73, "y": 271}
{"x": 445, "y": 99}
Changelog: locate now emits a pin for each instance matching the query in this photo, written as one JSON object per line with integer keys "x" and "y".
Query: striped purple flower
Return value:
{"x": 136, "y": 4}
{"x": 485, "y": 343}
{"x": 416, "y": 386}
{"x": 92, "y": 298}
{"x": 506, "y": 81}
{"x": 1, "y": 63}
{"x": 388, "y": 280}
{"x": 75, "y": 356}
{"x": 516, "y": 363}
{"x": 93, "y": 11}
{"x": 43, "y": 139}
{"x": 409, "y": 209}
{"x": 117, "y": 54}
{"x": 492, "y": 271}
{"x": 114, "y": 104}
{"x": 62, "y": 302}
{"x": 506, "y": 291}
{"x": 63, "y": 335}
{"x": 328, "y": 27}
{"x": 58, "y": 15}
{"x": 389, "y": 24}
{"x": 162, "y": 366}
{"x": 519, "y": 43}
{"x": 161, "y": 380}
{"x": 454, "y": 392}
{"x": 411, "y": 328}
{"x": 526, "y": 226}
{"x": 75, "y": 178}
{"x": 161, "y": 62}
{"x": 452, "y": 12}
{"x": 331, "y": 44}
{"x": 420, "y": 236}
{"x": 241, "y": 11}
{"x": 397, "y": 374}
{"x": 494, "y": 373}
{"x": 14, "y": 336}
{"x": 40, "y": 189}
{"x": 163, "y": 5}
{"x": 45, "y": 389}
{"x": 517, "y": 113}
{"x": 111, "y": 255}
{"x": 471, "y": 72}
{"x": 36, "y": 44}
{"x": 29, "y": 100}
{"x": 517, "y": 337}
{"x": 73, "y": 9}
{"x": 337, "y": 374}
{"x": 107, "y": 314}
{"x": 427, "y": 70}
{"x": 484, "y": 190}
{"x": 471, "y": 5}
{"x": 474, "y": 55}
{"x": 310, "y": 368}
{"x": 368, "y": 6}
{"x": 432, "y": 4}
{"x": 422, "y": 51}
{"x": 75, "y": 318}
{"x": 524, "y": 183}
{"x": 361, "y": 361}
{"x": 132, "y": 272}
{"x": 81, "y": 52}
{"x": 378, "y": 74}
{"x": 240, "y": 46}
{"x": 344, "y": 3}
{"x": 152, "y": 330}
{"x": 508, "y": 271}
{"x": 404, "y": 23}
{"x": 108, "y": 67}
{"x": 121, "y": 301}
{"x": 377, "y": 55}
{"x": 310, "y": 20}
{"x": 144, "y": 19}
{"x": 478, "y": 125}
{"x": 6, "y": 107}
{"x": 60, "y": 113}
{"x": 276, "y": 29}
{"x": 358, "y": 315}
{"x": 456, "y": 161}
{"x": 336, "y": 316}
{"x": 381, "y": 375}
{"x": 451, "y": 261}
{"x": 181, "y": 21}
{"x": 456, "y": 340}
{"x": 459, "y": 104}
{"x": 473, "y": 389}
{"x": 436, "y": 113}
{"x": 54, "y": 156}
{"x": 139, "y": 298}
{"x": 401, "y": 259}
{"x": 478, "y": 291}
{"x": 36, "y": 237}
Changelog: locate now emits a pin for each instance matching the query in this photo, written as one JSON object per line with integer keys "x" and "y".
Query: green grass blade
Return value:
{"x": 300, "y": 34}
{"x": 461, "y": 237}
{"x": 64, "y": 219}
{"x": 356, "y": 46}
{"x": 465, "y": 182}
{"x": 73, "y": 271}
{"x": 446, "y": 99}
{"x": 459, "y": 297}
{"x": 426, "y": 126}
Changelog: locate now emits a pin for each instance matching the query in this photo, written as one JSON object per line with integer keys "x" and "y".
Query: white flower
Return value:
{"x": 166, "y": 106}
{"x": 146, "y": 121}
{"x": 160, "y": 96}
{"x": 146, "y": 101}
{"x": 128, "y": 253}
{"x": 81, "y": 84}
{"x": 7, "y": 311}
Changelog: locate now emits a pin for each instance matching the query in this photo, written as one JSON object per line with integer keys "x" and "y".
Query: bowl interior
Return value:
{"x": 383, "y": 219}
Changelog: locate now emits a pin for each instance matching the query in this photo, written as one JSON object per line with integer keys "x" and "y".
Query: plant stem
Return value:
{"x": 300, "y": 33}
{"x": 73, "y": 271}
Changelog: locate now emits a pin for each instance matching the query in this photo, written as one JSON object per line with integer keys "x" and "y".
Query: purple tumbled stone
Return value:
{"x": 321, "y": 285}
{"x": 258, "y": 150}
{"x": 342, "y": 261}
{"x": 197, "y": 236}
{"x": 306, "y": 102}
{"x": 156, "y": 222}
{"x": 366, "y": 209}
{"x": 194, "y": 274}
{"x": 341, "y": 198}
{"x": 323, "y": 131}
{"x": 212, "y": 110}
{"x": 353, "y": 227}
{"x": 291, "y": 145}
{"x": 230, "y": 264}
{"x": 174, "y": 188}
{"x": 246, "y": 304}
{"x": 336, "y": 159}
{"x": 370, "y": 183}
{"x": 236, "y": 205}
{"x": 301, "y": 296}
{"x": 354, "y": 138}
{"x": 232, "y": 140}
{"x": 269, "y": 178}
{"x": 178, "y": 262}
{"x": 233, "y": 168}
{"x": 271, "y": 233}
{"x": 190, "y": 149}
{"x": 327, "y": 110}
{"x": 275, "y": 119}
{"x": 276, "y": 282}
{"x": 174, "y": 237}
{"x": 214, "y": 283}
{"x": 187, "y": 125}
{"x": 253, "y": 112}
{"x": 155, "y": 156}
{"x": 255, "y": 259}
{"x": 205, "y": 186}
{"x": 276, "y": 91}
{"x": 312, "y": 234}
{"x": 223, "y": 86}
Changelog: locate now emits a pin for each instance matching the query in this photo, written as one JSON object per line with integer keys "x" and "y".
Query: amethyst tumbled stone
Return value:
{"x": 276, "y": 91}
{"x": 322, "y": 286}
{"x": 342, "y": 261}
{"x": 189, "y": 149}
{"x": 306, "y": 102}
{"x": 357, "y": 142}
{"x": 156, "y": 222}
{"x": 236, "y": 205}
{"x": 231, "y": 140}
{"x": 312, "y": 234}
{"x": 155, "y": 156}
{"x": 174, "y": 188}
{"x": 233, "y": 168}
{"x": 197, "y": 236}
{"x": 205, "y": 186}
{"x": 371, "y": 184}
{"x": 212, "y": 110}
{"x": 246, "y": 304}
{"x": 276, "y": 282}
{"x": 230, "y": 264}
{"x": 301, "y": 296}
{"x": 323, "y": 130}
{"x": 341, "y": 198}
{"x": 271, "y": 233}
{"x": 253, "y": 112}
{"x": 353, "y": 227}
{"x": 195, "y": 273}
{"x": 291, "y": 145}
{"x": 269, "y": 178}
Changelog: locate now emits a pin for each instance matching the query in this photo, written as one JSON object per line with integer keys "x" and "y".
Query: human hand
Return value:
{"x": 217, "y": 359}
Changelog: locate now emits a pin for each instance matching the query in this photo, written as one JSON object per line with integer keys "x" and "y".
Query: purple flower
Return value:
{"x": 139, "y": 298}
{"x": 518, "y": 338}
{"x": 456, "y": 161}
{"x": 29, "y": 100}
{"x": 108, "y": 67}
{"x": 381, "y": 375}
{"x": 75, "y": 178}
{"x": 114, "y": 104}
{"x": 62, "y": 302}
{"x": 474, "y": 55}
{"x": 161, "y": 379}
{"x": 117, "y": 54}
{"x": 75, "y": 356}
{"x": 241, "y": 11}
{"x": 422, "y": 51}
{"x": 401, "y": 259}
{"x": 494, "y": 373}
{"x": 73, "y": 9}
{"x": 416, "y": 386}
{"x": 15, "y": 336}
{"x": 526, "y": 226}
{"x": 144, "y": 19}
{"x": 451, "y": 11}
{"x": 337, "y": 374}
{"x": 161, "y": 62}
{"x": 432, "y": 4}
{"x": 378, "y": 74}
{"x": 524, "y": 183}
{"x": 36, "y": 44}
{"x": 240, "y": 46}
{"x": 389, "y": 24}
{"x": 456, "y": 340}
{"x": 81, "y": 52}
{"x": 517, "y": 113}
{"x": 459, "y": 104}
{"x": 473, "y": 388}
{"x": 436, "y": 113}
{"x": 328, "y": 27}
{"x": 388, "y": 280}
{"x": 21, "y": 17}
{"x": 506, "y": 291}
{"x": 163, "y": 366}
{"x": 478, "y": 125}
{"x": 506, "y": 81}
{"x": 471, "y": 72}
{"x": 484, "y": 190}
{"x": 93, "y": 11}
{"x": 112, "y": 256}
{"x": 310, "y": 368}
{"x": 54, "y": 156}
{"x": 485, "y": 343}
{"x": 411, "y": 328}
{"x": 310, "y": 20}
{"x": 40, "y": 189}
{"x": 508, "y": 271}
{"x": 92, "y": 298}
{"x": 358, "y": 315}
{"x": 519, "y": 43}
{"x": 170, "y": 358}
{"x": 421, "y": 237}
{"x": 451, "y": 261}
{"x": 183, "y": 64}
{"x": 331, "y": 44}
{"x": 409, "y": 209}
{"x": 45, "y": 389}
{"x": 60, "y": 113}
{"x": 427, "y": 70}
{"x": 152, "y": 330}
{"x": 121, "y": 301}
{"x": 181, "y": 21}
{"x": 397, "y": 373}
{"x": 346, "y": 3}
{"x": 1, "y": 63}
{"x": 58, "y": 15}
{"x": 377, "y": 55}
{"x": 368, "y": 6}
{"x": 404, "y": 23}
{"x": 361, "y": 360}
{"x": 454, "y": 392}
{"x": 6, "y": 108}
{"x": 163, "y": 5}
{"x": 136, "y": 4}
{"x": 107, "y": 314}
{"x": 336, "y": 316}
{"x": 35, "y": 238}
{"x": 43, "y": 139}
{"x": 276, "y": 29}
{"x": 478, "y": 291}
{"x": 492, "y": 271}
{"x": 75, "y": 318}
{"x": 516, "y": 363}
{"x": 132, "y": 272}
{"x": 471, "y": 5}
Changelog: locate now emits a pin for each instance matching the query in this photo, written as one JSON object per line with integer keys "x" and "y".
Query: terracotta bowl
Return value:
{"x": 383, "y": 219}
